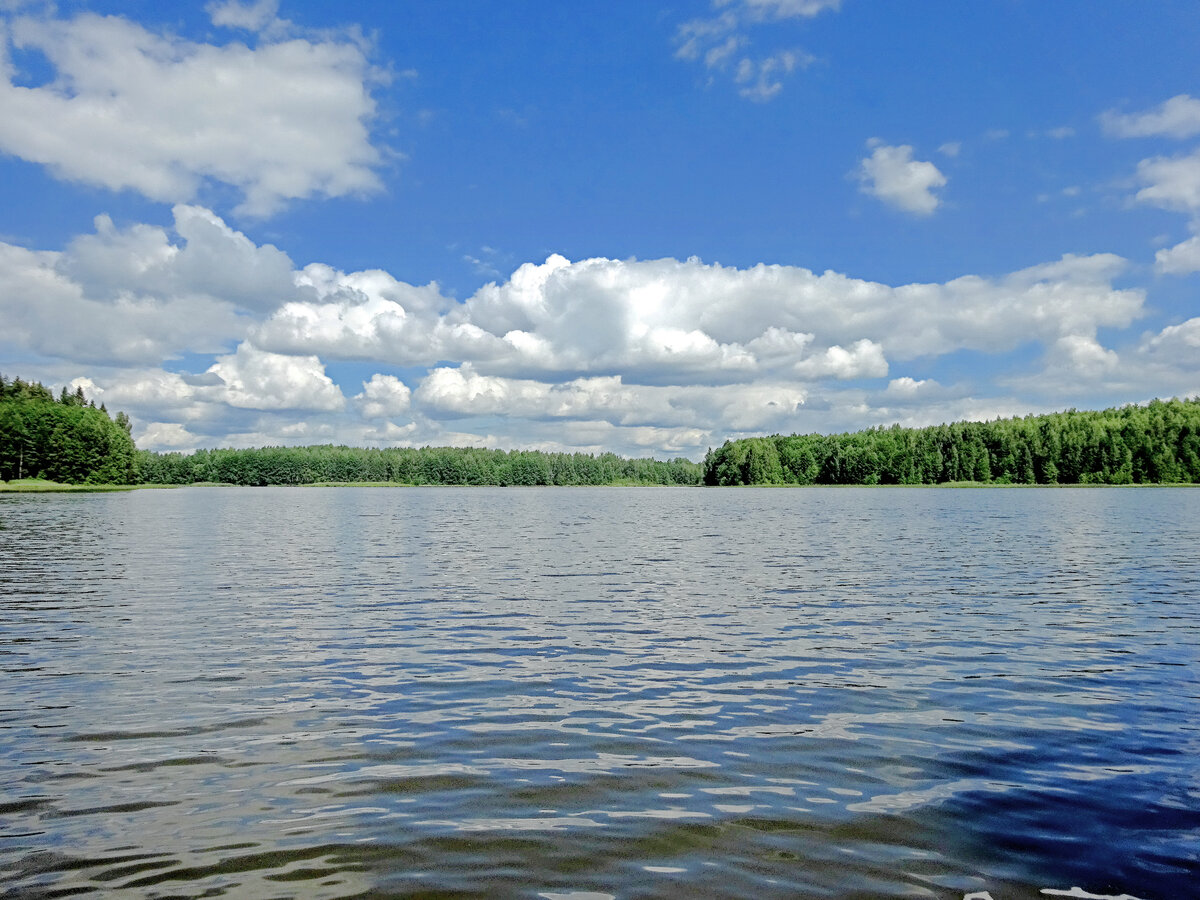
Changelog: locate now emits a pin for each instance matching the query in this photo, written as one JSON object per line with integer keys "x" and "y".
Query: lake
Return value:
{"x": 600, "y": 693}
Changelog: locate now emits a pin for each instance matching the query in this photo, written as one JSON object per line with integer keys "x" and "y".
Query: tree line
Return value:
{"x": 409, "y": 465}
{"x": 1152, "y": 444}
{"x": 65, "y": 439}
{"x": 69, "y": 439}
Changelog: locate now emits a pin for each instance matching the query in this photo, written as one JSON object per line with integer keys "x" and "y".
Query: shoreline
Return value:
{"x": 37, "y": 486}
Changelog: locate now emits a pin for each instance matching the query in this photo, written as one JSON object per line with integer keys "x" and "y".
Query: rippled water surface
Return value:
{"x": 305, "y": 692}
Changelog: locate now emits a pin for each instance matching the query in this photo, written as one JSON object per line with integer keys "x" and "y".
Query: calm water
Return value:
{"x": 586, "y": 693}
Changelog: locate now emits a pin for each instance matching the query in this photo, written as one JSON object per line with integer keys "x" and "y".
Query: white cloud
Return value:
{"x": 1178, "y": 117}
{"x": 780, "y": 9}
{"x": 152, "y": 390}
{"x": 278, "y": 429}
{"x": 166, "y": 436}
{"x": 596, "y": 353}
{"x": 170, "y": 411}
{"x": 764, "y": 323}
{"x": 142, "y": 294}
{"x": 251, "y": 16}
{"x": 950, "y": 148}
{"x": 1162, "y": 364}
{"x": 906, "y": 388}
{"x": 682, "y": 322}
{"x": 384, "y": 397}
{"x": 1180, "y": 344}
{"x": 257, "y": 379}
{"x": 695, "y": 36}
{"x": 864, "y": 359}
{"x": 46, "y": 310}
{"x": 1171, "y": 182}
{"x": 485, "y": 263}
{"x": 719, "y": 56}
{"x": 361, "y": 315}
{"x": 212, "y": 262}
{"x": 1168, "y": 182}
{"x": 759, "y": 79}
{"x": 462, "y": 392}
{"x": 1181, "y": 259}
{"x": 722, "y": 38}
{"x": 762, "y": 406}
{"x": 892, "y": 175}
{"x": 640, "y": 440}
{"x": 1084, "y": 355}
{"x": 925, "y": 411}
{"x": 132, "y": 109}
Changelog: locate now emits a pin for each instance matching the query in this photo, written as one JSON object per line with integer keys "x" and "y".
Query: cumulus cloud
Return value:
{"x": 1084, "y": 355}
{"x": 593, "y": 353}
{"x": 155, "y": 391}
{"x": 360, "y": 315}
{"x": 462, "y": 392}
{"x": 166, "y": 436}
{"x": 144, "y": 293}
{"x": 250, "y": 16}
{"x": 1178, "y": 117}
{"x": 1168, "y": 182}
{"x": 864, "y": 359}
{"x": 263, "y": 403}
{"x": 46, "y": 310}
{"x": 684, "y": 322}
{"x": 1181, "y": 259}
{"x": 257, "y": 379}
{"x": 384, "y": 397}
{"x": 1171, "y": 182}
{"x": 129, "y": 108}
{"x": 210, "y": 262}
{"x": 892, "y": 175}
{"x": 1161, "y": 364}
{"x": 907, "y": 388}
{"x": 1178, "y": 344}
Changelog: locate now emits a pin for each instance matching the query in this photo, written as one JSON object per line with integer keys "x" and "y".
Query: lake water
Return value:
{"x": 611, "y": 692}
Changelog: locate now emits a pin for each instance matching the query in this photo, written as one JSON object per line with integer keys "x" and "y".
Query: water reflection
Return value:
{"x": 640, "y": 692}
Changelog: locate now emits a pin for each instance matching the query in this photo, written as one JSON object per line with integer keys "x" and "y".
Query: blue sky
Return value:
{"x": 623, "y": 226}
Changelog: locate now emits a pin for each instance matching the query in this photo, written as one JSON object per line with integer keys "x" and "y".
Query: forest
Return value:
{"x": 1152, "y": 444}
{"x": 69, "y": 439}
{"x": 65, "y": 439}
{"x": 409, "y": 465}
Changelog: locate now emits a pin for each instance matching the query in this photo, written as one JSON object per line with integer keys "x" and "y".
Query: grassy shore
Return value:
{"x": 41, "y": 486}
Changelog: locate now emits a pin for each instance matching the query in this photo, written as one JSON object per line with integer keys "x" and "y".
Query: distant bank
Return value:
{"x": 48, "y": 442}
{"x": 1154, "y": 444}
{"x": 410, "y": 465}
{"x": 67, "y": 439}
